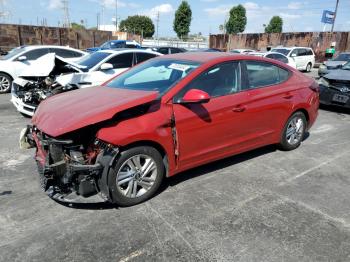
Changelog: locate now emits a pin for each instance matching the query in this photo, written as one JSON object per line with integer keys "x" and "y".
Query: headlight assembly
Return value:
{"x": 323, "y": 82}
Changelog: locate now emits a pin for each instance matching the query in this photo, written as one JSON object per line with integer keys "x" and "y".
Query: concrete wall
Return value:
{"x": 319, "y": 41}
{"x": 15, "y": 35}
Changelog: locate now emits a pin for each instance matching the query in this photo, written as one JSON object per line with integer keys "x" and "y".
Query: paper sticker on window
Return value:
{"x": 179, "y": 67}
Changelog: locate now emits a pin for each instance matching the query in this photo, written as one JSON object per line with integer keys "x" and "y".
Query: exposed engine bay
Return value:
{"x": 34, "y": 87}
{"x": 76, "y": 165}
{"x": 33, "y": 90}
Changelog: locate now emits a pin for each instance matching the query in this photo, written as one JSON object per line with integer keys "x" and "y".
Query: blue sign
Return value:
{"x": 328, "y": 17}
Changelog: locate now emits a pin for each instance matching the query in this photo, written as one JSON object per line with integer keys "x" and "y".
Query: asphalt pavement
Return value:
{"x": 265, "y": 205}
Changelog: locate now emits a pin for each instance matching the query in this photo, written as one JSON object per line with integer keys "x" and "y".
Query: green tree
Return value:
{"x": 237, "y": 20}
{"x": 183, "y": 18}
{"x": 275, "y": 25}
{"x": 77, "y": 26}
{"x": 138, "y": 24}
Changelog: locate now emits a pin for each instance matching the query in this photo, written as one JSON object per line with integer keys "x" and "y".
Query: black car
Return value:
{"x": 166, "y": 50}
{"x": 335, "y": 87}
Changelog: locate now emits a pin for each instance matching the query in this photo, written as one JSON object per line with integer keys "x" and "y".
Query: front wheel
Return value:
{"x": 5, "y": 83}
{"x": 293, "y": 132}
{"x": 136, "y": 176}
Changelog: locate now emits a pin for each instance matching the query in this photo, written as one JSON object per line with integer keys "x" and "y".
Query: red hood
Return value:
{"x": 70, "y": 111}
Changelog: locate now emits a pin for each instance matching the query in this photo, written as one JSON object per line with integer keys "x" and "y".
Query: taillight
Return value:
{"x": 315, "y": 87}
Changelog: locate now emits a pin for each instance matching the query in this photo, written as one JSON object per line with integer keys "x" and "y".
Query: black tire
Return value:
{"x": 285, "y": 143}
{"x": 5, "y": 79}
{"x": 117, "y": 195}
{"x": 308, "y": 67}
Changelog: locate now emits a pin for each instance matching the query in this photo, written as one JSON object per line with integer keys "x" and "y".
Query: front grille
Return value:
{"x": 341, "y": 86}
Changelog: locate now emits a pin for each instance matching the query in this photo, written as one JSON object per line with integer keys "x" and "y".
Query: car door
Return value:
{"x": 31, "y": 56}
{"x": 270, "y": 99}
{"x": 120, "y": 62}
{"x": 214, "y": 129}
{"x": 296, "y": 55}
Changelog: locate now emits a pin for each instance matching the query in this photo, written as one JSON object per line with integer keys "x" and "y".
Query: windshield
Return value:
{"x": 13, "y": 53}
{"x": 346, "y": 66}
{"x": 281, "y": 51}
{"x": 89, "y": 61}
{"x": 154, "y": 75}
{"x": 342, "y": 57}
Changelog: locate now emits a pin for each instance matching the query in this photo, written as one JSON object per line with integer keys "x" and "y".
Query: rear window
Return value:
{"x": 262, "y": 74}
{"x": 342, "y": 57}
{"x": 281, "y": 50}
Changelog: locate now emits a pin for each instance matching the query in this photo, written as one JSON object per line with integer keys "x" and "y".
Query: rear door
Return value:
{"x": 270, "y": 99}
{"x": 214, "y": 129}
{"x": 298, "y": 55}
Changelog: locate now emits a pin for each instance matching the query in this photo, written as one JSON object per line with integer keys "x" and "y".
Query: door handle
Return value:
{"x": 287, "y": 96}
{"x": 239, "y": 109}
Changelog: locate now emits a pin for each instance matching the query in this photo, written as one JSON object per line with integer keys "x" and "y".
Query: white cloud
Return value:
{"x": 289, "y": 16}
{"x": 218, "y": 11}
{"x": 251, "y": 6}
{"x": 294, "y": 5}
{"x": 54, "y": 4}
{"x": 161, "y": 9}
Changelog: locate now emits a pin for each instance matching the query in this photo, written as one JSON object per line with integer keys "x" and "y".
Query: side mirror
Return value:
{"x": 293, "y": 55}
{"x": 106, "y": 66}
{"x": 195, "y": 96}
{"x": 22, "y": 58}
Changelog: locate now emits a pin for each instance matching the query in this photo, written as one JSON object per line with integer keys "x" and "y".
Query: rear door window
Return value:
{"x": 65, "y": 53}
{"x": 262, "y": 74}
{"x": 36, "y": 53}
{"x": 122, "y": 61}
{"x": 141, "y": 57}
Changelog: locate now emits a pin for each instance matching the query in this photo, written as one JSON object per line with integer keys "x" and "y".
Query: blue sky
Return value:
{"x": 207, "y": 14}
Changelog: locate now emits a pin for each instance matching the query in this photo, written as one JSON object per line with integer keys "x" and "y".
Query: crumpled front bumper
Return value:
{"x": 56, "y": 177}
{"x": 21, "y": 106}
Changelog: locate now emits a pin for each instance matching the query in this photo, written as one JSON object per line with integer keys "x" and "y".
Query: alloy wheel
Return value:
{"x": 136, "y": 176}
{"x": 295, "y": 130}
{"x": 4, "y": 83}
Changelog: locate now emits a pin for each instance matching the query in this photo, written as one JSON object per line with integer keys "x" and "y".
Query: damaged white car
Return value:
{"x": 51, "y": 75}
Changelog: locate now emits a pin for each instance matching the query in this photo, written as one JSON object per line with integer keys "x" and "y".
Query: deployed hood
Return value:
{"x": 340, "y": 75}
{"x": 335, "y": 64}
{"x": 70, "y": 111}
{"x": 46, "y": 64}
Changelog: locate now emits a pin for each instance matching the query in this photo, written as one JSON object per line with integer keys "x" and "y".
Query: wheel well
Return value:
{"x": 155, "y": 145}
{"x": 7, "y": 75}
{"x": 306, "y": 114}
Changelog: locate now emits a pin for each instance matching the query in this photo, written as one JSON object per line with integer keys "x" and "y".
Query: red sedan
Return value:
{"x": 164, "y": 116}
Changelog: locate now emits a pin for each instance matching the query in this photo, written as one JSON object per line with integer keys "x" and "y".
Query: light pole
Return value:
{"x": 335, "y": 15}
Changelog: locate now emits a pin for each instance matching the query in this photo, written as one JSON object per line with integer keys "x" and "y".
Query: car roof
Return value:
{"x": 202, "y": 57}
{"x": 126, "y": 50}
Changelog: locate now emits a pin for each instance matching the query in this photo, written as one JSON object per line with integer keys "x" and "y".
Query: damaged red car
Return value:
{"x": 164, "y": 116}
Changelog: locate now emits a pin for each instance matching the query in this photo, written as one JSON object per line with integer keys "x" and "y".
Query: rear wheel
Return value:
{"x": 5, "y": 83}
{"x": 308, "y": 67}
{"x": 136, "y": 176}
{"x": 293, "y": 132}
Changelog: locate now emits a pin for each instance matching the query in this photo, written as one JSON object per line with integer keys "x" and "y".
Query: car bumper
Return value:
{"x": 22, "y": 107}
{"x": 322, "y": 71}
{"x": 328, "y": 97}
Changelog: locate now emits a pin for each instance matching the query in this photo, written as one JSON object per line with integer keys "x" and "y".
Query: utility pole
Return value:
{"x": 335, "y": 15}
{"x": 157, "y": 28}
{"x": 98, "y": 21}
{"x": 102, "y": 22}
{"x": 116, "y": 15}
{"x": 65, "y": 8}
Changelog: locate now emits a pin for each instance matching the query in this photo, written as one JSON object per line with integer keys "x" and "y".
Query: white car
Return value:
{"x": 52, "y": 75}
{"x": 304, "y": 57}
{"x": 242, "y": 51}
{"x": 276, "y": 56}
{"x": 19, "y": 59}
